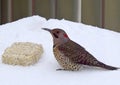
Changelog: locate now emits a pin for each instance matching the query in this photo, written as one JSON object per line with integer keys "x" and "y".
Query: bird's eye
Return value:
{"x": 57, "y": 32}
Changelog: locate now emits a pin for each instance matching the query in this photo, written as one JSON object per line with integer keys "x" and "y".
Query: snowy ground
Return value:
{"x": 103, "y": 44}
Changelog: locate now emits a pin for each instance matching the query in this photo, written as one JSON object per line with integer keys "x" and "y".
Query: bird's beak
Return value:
{"x": 46, "y": 29}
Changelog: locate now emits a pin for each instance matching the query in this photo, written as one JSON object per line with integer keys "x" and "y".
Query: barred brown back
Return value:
{"x": 79, "y": 55}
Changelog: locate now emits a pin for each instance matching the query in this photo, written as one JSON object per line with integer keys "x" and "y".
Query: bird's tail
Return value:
{"x": 102, "y": 65}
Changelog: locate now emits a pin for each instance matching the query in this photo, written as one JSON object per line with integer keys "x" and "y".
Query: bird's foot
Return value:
{"x": 60, "y": 69}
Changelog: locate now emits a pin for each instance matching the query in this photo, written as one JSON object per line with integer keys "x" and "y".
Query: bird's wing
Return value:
{"x": 77, "y": 53}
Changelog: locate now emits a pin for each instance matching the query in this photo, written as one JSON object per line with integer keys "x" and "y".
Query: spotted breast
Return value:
{"x": 64, "y": 61}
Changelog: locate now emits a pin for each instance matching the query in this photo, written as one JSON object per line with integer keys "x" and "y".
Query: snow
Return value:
{"x": 103, "y": 44}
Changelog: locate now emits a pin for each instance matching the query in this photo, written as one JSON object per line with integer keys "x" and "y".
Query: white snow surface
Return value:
{"x": 103, "y": 44}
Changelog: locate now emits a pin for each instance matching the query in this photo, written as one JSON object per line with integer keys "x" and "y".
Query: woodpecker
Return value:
{"x": 70, "y": 55}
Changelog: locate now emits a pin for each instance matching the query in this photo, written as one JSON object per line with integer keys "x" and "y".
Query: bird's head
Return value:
{"x": 59, "y": 35}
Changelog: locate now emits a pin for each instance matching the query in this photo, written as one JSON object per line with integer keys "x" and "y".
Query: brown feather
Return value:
{"x": 78, "y": 54}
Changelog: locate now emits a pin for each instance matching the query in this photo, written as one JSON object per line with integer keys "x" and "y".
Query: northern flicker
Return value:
{"x": 71, "y": 55}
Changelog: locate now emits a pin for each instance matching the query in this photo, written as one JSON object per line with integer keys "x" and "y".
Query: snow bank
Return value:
{"x": 103, "y": 44}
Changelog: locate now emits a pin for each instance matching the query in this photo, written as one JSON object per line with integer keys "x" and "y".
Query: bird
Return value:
{"x": 70, "y": 55}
